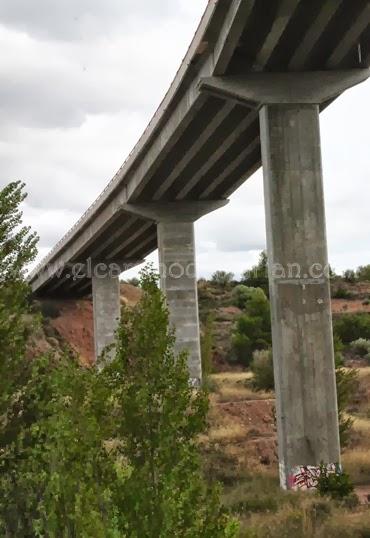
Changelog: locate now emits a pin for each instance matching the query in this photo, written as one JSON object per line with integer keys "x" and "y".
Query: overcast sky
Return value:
{"x": 79, "y": 81}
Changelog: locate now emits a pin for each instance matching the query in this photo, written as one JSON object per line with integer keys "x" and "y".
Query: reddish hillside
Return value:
{"x": 71, "y": 323}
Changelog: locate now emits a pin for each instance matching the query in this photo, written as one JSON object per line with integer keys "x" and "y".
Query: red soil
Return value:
{"x": 75, "y": 325}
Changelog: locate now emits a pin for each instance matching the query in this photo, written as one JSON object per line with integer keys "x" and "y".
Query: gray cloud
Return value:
{"x": 80, "y": 19}
{"x": 58, "y": 85}
{"x": 79, "y": 82}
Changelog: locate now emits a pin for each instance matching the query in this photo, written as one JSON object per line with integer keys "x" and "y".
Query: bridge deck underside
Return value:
{"x": 213, "y": 146}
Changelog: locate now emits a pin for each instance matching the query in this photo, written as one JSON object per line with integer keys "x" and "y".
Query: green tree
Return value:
{"x": 253, "y": 329}
{"x": 158, "y": 418}
{"x": 109, "y": 454}
{"x": 257, "y": 276}
{"x": 58, "y": 475}
{"x": 363, "y": 273}
{"x": 54, "y": 470}
{"x": 17, "y": 249}
{"x": 349, "y": 276}
{"x": 222, "y": 279}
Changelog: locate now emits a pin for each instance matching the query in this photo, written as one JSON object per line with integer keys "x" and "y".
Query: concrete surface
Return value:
{"x": 303, "y": 349}
{"x": 107, "y": 308}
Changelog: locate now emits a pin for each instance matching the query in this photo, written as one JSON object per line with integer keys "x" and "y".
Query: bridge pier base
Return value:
{"x": 106, "y": 308}
{"x": 303, "y": 351}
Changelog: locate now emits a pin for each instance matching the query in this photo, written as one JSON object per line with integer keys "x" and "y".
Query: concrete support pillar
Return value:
{"x": 307, "y": 412}
{"x": 303, "y": 352}
{"x": 175, "y": 229}
{"x": 106, "y": 305}
{"x": 179, "y": 284}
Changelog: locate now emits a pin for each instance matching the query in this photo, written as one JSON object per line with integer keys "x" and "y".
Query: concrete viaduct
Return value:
{"x": 248, "y": 93}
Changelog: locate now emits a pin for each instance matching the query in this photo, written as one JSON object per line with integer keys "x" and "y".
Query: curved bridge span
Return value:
{"x": 200, "y": 145}
{"x": 248, "y": 93}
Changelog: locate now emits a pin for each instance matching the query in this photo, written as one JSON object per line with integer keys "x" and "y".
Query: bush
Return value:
{"x": 337, "y": 485}
{"x": 253, "y": 328}
{"x": 342, "y": 293}
{"x": 242, "y": 348}
{"x": 338, "y": 351}
{"x": 250, "y": 335}
{"x": 240, "y": 296}
{"x": 361, "y": 347}
{"x": 347, "y": 386}
{"x": 350, "y": 327}
{"x": 50, "y": 309}
{"x": 263, "y": 369}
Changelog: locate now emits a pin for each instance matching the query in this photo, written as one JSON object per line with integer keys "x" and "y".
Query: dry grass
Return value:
{"x": 357, "y": 464}
{"x": 233, "y": 387}
{"x": 252, "y": 491}
{"x": 239, "y": 393}
{"x": 265, "y": 511}
{"x": 362, "y": 425}
{"x": 308, "y": 518}
{"x": 226, "y": 433}
{"x": 364, "y": 372}
{"x": 231, "y": 377}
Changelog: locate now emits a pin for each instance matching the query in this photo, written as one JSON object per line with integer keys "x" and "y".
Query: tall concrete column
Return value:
{"x": 178, "y": 280}
{"x": 307, "y": 414}
{"x": 106, "y": 307}
{"x": 179, "y": 284}
{"x": 303, "y": 351}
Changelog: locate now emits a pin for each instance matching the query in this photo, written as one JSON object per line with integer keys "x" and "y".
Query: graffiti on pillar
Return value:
{"x": 305, "y": 477}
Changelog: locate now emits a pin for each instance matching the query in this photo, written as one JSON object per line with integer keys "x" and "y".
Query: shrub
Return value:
{"x": 242, "y": 348}
{"x": 338, "y": 486}
{"x": 253, "y": 329}
{"x": 240, "y": 296}
{"x": 263, "y": 369}
{"x": 338, "y": 351}
{"x": 50, "y": 309}
{"x": 342, "y": 293}
{"x": 352, "y": 327}
{"x": 347, "y": 386}
{"x": 361, "y": 347}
